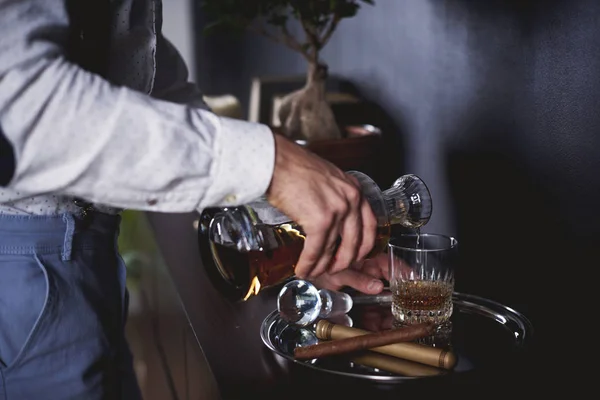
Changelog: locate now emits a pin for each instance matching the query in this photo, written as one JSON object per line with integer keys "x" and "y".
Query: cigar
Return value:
{"x": 436, "y": 357}
{"x": 395, "y": 365}
{"x": 360, "y": 342}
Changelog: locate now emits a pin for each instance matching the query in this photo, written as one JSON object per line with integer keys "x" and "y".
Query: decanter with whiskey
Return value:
{"x": 249, "y": 248}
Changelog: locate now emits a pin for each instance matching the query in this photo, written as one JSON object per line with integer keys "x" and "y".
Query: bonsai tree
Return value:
{"x": 304, "y": 114}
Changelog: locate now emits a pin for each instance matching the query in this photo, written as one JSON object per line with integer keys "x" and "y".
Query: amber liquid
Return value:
{"x": 422, "y": 301}
{"x": 255, "y": 270}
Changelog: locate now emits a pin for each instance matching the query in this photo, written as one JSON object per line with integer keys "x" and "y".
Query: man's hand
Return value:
{"x": 327, "y": 203}
{"x": 365, "y": 276}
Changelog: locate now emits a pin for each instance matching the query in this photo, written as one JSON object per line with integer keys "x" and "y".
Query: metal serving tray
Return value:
{"x": 484, "y": 334}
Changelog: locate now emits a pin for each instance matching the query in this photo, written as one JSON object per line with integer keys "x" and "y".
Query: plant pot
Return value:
{"x": 358, "y": 150}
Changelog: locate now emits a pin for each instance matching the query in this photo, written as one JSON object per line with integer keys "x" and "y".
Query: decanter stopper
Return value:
{"x": 300, "y": 303}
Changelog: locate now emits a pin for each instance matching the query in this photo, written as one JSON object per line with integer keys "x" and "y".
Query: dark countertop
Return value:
{"x": 243, "y": 366}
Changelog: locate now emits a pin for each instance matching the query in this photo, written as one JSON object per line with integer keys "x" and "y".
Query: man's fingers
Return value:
{"x": 379, "y": 266}
{"x": 312, "y": 253}
{"x": 358, "y": 280}
{"x": 368, "y": 229}
{"x": 368, "y": 223}
{"x": 351, "y": 230}
{"x": 350, "y": 240}
{"x": 327, "y": 255}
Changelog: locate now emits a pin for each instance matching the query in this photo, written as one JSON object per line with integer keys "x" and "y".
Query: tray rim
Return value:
{"x": 472, "y": 303}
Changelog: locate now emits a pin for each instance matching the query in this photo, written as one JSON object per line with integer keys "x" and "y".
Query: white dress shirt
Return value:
{"x": 140, "y": 139}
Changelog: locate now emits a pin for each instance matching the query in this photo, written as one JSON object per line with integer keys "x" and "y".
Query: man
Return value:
{"x": 97, "y": 116}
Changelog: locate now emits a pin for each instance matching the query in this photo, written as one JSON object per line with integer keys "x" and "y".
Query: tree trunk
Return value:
{"x": 305, "y": 114}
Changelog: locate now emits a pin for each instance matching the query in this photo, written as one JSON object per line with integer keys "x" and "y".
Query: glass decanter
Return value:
{"x": 256, "y": 246}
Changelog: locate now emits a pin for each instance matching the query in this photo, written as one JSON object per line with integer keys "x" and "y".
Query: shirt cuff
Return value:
{"x": 244, "y": 163}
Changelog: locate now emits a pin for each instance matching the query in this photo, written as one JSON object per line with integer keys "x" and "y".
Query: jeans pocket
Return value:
{"x": 24, "y": 300}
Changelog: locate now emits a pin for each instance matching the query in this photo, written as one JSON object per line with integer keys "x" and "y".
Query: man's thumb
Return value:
{"x": 360, "y": 281}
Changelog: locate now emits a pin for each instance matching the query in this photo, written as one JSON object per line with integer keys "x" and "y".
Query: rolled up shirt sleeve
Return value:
{"x": 171, "y": 78}
{"x": 73, "y": 133}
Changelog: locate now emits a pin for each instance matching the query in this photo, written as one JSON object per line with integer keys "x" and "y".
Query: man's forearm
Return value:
{"x": 75, "y": 134}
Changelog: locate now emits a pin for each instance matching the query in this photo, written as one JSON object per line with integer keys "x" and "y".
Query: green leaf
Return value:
{"x": 236, "y": 15}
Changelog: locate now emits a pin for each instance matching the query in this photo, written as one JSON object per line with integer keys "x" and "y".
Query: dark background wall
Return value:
{"x": 498, "y": 104}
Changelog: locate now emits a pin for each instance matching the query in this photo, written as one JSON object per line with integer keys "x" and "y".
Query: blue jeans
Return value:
{"x": 63, "y": 307}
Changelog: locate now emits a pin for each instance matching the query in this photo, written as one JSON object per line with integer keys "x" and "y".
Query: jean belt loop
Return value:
{"x": 69, "y": 232}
